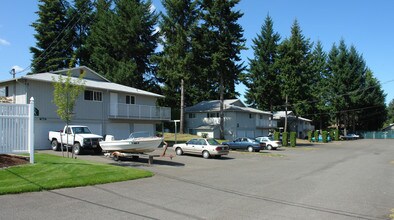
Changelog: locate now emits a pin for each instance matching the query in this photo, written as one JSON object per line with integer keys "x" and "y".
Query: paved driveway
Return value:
{"x": 340, "y": 180}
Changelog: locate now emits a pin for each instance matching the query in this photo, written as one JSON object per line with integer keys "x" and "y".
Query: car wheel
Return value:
{"x": 55, "y": 145}
{"x": 250, "y": 149}
{"x": 77, "y": 149}
{"x": 179, "y": 151}
{"x": 205, "y": 154}
{"x": 269, "y": 147}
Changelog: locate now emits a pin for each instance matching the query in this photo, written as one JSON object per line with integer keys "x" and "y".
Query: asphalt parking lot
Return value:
{"x": 340, "y": 180}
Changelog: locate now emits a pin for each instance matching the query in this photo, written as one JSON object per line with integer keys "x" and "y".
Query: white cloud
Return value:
{"x": 17, "y": 68}
{"x": 4, "y": 42}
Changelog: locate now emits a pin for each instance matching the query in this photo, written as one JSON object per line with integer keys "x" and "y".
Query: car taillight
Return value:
{"x": 219, "y": 148}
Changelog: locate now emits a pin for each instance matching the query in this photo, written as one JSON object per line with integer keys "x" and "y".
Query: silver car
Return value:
{"x": 206, "y": 147}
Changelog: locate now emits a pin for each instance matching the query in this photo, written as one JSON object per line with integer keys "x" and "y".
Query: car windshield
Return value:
{"x": 213, "y": 142}
{"x": 81, "y": 130}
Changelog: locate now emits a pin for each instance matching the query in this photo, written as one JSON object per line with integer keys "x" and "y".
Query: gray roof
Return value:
{"x": 290, "y": 114}
{"x": 92, "y": 84}
{"x": 229, "y": 105}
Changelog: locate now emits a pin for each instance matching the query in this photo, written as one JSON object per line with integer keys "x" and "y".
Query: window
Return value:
{"x": 192, "y": 115}
{"x": 4, "y": 91}
{"x": 261, "y": 116}
{"x": 130, "y": 99}
{"x": 93, "y": 95}
{"x": 213, "y": 115}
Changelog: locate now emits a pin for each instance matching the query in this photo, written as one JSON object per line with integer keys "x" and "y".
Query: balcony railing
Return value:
{"x": 146, "y": 112}
{"x": 266, "y": 124}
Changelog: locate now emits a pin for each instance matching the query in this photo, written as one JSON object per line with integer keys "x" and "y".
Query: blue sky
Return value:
{"x": 368, "y": 25}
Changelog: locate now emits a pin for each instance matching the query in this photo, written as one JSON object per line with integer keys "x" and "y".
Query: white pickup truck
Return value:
{"x": 77, "y": 136}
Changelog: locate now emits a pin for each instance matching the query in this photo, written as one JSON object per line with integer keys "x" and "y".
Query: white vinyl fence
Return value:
{"x": 17, "y": 129}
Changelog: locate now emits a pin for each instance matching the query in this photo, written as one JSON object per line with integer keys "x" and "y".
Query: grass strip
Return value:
{"x": 54, "y": 172}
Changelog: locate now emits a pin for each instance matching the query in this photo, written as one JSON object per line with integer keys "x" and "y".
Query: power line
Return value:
{"x": 55, "y": 42}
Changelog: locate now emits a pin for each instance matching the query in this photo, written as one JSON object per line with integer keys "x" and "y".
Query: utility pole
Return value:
{"x": 286, "y": 116}
{"x": 14, "y": 89}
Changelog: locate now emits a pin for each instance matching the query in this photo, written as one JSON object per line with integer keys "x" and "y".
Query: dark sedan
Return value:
{"x": 244, "y": 143}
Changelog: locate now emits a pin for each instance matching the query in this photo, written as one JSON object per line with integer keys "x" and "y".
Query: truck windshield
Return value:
{"x": 81, "y": 130}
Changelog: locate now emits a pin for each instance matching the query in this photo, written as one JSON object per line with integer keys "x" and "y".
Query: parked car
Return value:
{"x": 78, "y": 136}
{"x": 350, "y": 137}
{"x": 206, "y": 147}
{"x": 244, "y": 143}
{"x": 269, "y": 143}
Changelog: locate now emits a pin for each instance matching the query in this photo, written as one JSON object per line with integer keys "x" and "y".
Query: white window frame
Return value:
{"x": 95, "y": 96}
{"x": 130, "y": 99}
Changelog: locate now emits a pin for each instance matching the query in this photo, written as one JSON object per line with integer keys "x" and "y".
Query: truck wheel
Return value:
{"x": 55, "y": 145}
{"x": 77, "y": 149}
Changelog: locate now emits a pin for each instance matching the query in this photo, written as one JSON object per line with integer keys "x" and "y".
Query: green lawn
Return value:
{"x": 53, "y": 172}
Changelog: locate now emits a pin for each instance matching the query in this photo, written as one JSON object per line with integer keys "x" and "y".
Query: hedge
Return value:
{"x": 285, "y": 139}
{"x": 293, "y": 139}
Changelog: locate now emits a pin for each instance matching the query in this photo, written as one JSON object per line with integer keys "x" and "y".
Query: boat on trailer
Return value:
{"x": 137, "y": 142}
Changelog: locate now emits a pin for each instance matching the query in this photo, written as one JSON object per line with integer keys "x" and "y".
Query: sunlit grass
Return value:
{"x": 53, "y": 172}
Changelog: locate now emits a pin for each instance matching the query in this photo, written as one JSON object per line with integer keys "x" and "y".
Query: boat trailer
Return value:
{"x": 116, "y": 155}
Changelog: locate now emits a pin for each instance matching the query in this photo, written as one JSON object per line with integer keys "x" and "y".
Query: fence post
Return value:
{"x": 31, "y": 130}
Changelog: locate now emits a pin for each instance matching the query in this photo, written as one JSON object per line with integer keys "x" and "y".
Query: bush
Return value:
{"x": 276, "y": 135}
{"x": 293, "y": 139}
{"x": 204, "y": 135}
{"x": 285, "y": 139}
{"x": 310, "y": 136}
{"x": 324, "y": 136}
{"x": 336, "y": 135}
{"x": 316, "y": 135}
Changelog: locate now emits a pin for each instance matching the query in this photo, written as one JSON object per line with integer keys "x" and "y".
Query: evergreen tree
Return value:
{"x": 347, "y": 78}
{"x": 295, "y": 70}
{"x": 262, "y": 77}
{"x": 53, "y": 50}
{"x": 122, "y": 42}
{"x": 320, "y": 91}
{"x": 390, "y": 113}
{"x": 373, "y": 111}
{"x": 224, "y": 42}
{"x": 81, "y": 15}
{"x": 176, "y": 64}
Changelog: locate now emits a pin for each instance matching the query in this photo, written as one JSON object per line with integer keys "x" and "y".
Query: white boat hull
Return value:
{"x": 136, "y": 145}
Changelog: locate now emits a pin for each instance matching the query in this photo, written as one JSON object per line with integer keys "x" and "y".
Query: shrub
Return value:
{"x": 293, "y": 139}
{"x": 324, "y": 136}
{"x": 310, "y": 136}
{"x": 204, "y": 135}
{"x": 316, "y": 135}
{"x": 285, "y": 139}
{"x": 336, "y": 135}
{"x": 276, "y": 135}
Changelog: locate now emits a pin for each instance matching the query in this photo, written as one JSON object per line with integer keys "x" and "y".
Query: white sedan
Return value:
{"x": 206, "y": 147}
{"x": 270, "y": 143}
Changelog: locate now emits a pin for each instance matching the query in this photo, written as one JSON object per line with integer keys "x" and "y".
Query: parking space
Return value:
{"x": 340, "y": 180}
